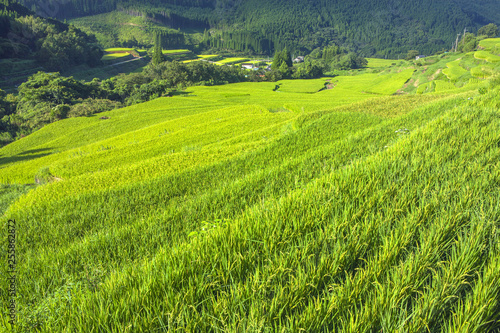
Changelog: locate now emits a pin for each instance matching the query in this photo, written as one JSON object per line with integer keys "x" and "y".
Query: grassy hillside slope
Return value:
{"x": 259, "y": 207}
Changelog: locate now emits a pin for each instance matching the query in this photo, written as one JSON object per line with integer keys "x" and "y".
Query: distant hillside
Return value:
{"x": 366, "y": 202}
{"x": 54, "y": 45}
{"x": 381, "y": 28}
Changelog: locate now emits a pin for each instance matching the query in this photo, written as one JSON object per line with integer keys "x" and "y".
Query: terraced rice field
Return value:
{"x": 116, "y": 56}
{"x": 246, "y": 208}
{"x": 485, "y": 55}
{"x": 490, "y": 43}
{"x": 232, "y": 61}
{"x": 119, "y": 49}
{"x": 173, "y": 52}
{"x": 376, "y": 62}
{"x": 454, "y": 71}
{"x": 207, "y": 56}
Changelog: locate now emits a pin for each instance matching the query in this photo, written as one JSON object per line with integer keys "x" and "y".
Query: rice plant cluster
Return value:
{"x": 246, "y": 208}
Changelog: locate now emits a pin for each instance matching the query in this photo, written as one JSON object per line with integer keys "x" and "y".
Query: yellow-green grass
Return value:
{"x": 307, "y": 221}
{"x": 173, "y": 52}
{"x": 482, "y": 71}
{"x": 302, "y": 86}
{"x": 119, "y": 49}
{"x": 190, "y": 60}
{"x": 383, "y": 84}
{"x": 115, "y": 56}
{"x": 207, "y": 56}
{"x": 426, "y": 87}
{"x": 485, "y": 55}
{"x": 454, "y": 70}
{"x": 68, "y": 157}
{"x": 232, "y": 60}
{"x": 443, "y": 86}
{"x": 240, "y": 208}
{"x": 95, "y": 134}
{"x": 490, "y": 43}
{"x": 376, "y": 62}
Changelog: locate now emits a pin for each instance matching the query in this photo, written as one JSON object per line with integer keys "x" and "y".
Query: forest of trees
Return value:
{"x": 55, "y": 45}
{"x": 381, "y": 29}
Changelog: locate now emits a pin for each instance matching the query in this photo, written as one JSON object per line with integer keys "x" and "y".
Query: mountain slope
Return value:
{"x": 246, "y": 208}
{"x": 375, "y": 27}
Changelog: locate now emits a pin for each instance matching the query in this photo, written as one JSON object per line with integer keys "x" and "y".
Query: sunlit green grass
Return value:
{"x": 119, "y": 49}
{"x": 485, "y": 55}
{"x": 207, "y": 56}
{"x": 482, "y": 71}
{"x": 191, "y": 60}
{"x": 252, "y": 208}
{"x": 179, "y": 51}
{"x": 443, "y": 86}
{"x": 490, "y": 43}
{"x": 376, "y": 62}
{"x": 114, "y": 56}
{"x": 232, "y": 60}
{"x": 454, "y": 71}
{"x": 383, "y": 84}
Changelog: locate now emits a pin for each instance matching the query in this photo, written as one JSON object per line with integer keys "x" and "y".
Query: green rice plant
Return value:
{"x": 376, "y": 62}
{"x": 232, "y": 61}
{"x": 343, "y": 231}
{"x": 174, "y": 52}
{"x": 116, "y": 56}
{"x": 10, "y": 193}
{"x": 383, "y": 84}
{"x": 207, "y": 56}
{"x": 480, "y": 72}
{"x": 349, "y": 210}
{"x": 426, "y": 87}
{"x": 119, "y": 49}
{"x": 489, "y": 43}
{"x": 454, "y": 71}
{"x": 485, "y": 55}
{"x": 443, "y": 86}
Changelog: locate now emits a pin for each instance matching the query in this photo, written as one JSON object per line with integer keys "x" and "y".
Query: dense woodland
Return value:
{"x": 374, "y": 28}
{"x": 55, "y": 45}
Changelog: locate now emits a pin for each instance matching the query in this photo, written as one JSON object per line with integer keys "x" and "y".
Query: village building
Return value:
{"x": 299, "y": 59}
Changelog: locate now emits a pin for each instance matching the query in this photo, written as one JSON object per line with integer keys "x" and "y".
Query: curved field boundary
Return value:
{"x": 489, "y": 43}
{"x": 454, "y": 70}
{"x": 175, "y": 52}
{"x": 485, "y": 55}
{"x": 116, "y": 57}
{"x": 232, "y": 61}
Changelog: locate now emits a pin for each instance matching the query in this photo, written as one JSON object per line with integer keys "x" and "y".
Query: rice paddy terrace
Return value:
{"x": 346, "y": 204}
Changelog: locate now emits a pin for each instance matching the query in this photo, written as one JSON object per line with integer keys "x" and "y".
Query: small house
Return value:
{"x": 419, "y": 57}
{"x": 298, "y": 59}
{"x": 247, "y": 66}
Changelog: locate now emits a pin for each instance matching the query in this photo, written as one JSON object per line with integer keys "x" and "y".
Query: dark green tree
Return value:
{"x": 490, "y": 30}
{"x": 158, "y": 57}
{"x": 412, "y": 54}
{"x": 468, "y": 43}
{"x": 287, "y": 57}
{"x": 280, "y": 58}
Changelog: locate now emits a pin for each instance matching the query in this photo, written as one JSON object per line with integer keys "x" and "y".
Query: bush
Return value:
{"x": 91, "y": 106}
{"x": 43, "y": 176}
{"x": 59, "y": 112}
